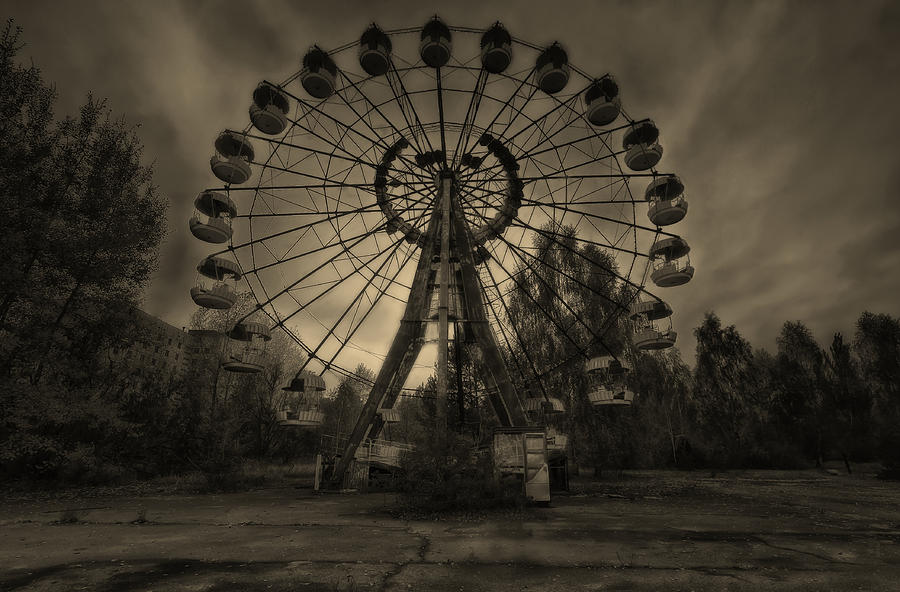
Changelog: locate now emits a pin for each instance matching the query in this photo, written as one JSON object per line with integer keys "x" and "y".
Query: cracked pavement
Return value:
{"x": 774, "y": 531}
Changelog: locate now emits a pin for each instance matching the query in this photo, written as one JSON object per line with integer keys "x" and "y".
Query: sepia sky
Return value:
{"x": 781, "y": 118}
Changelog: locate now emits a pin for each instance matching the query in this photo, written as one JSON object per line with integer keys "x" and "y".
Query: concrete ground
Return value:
{"x": 648, "y": 531}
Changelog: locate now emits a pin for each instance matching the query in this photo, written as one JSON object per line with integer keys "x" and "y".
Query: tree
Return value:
{"x": 344, "y": 404}
{"x": 563, "y": 297}
{"x": 800, "y": 407}
{"x": 82, "y": 225}
{"x": 726, "y": 399}
{"x": 27, "y": 167}
{"x": 664, "y": 384}
{"x": 238, "y": 410}
{"x": 848, "y": 401}
{"x": 877, "y": 344}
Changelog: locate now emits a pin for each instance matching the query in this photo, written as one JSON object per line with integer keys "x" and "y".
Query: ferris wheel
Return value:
{"x": 406, "y": 178}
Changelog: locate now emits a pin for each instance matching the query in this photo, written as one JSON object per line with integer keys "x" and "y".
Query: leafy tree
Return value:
{"x": 663, "y": 383}
{"x": 28, "y": 171}
{"x": 848, "y": 402}
{"x": 726, "y": 399}
{"x": 238, "y": 410}
{"x": 562, "y": 298}
{"x": 82, "y": 226}
{"x": 877, "y": 344}
{"x": 343, "y": 405}
{"x": 800, "y": 406}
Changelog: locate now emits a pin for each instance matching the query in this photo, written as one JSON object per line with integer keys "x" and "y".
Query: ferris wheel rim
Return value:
{"x": 330, "y": 366}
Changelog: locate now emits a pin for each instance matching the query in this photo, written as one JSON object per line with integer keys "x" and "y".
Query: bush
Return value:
{"x": 446, "y": 475}
{"x": 30, "y": 455}
{"x": 229, "y": 481}
{"x": 82, "y": 466}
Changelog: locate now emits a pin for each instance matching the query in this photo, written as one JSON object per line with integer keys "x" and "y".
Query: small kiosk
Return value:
{"x": 521, "y": 452}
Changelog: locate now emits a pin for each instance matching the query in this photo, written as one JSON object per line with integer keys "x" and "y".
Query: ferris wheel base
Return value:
{"x": 445, "y": 227}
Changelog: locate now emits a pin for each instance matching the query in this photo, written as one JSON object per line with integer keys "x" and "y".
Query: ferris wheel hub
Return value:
{"x": 444, "y": 173}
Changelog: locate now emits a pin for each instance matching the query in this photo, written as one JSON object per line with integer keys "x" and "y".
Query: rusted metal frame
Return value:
{"x": 401, "y": 356}
{"x": 503, "y": 396}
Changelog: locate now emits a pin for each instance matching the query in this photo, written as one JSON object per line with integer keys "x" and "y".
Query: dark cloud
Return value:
{"x": 781, "y": 118}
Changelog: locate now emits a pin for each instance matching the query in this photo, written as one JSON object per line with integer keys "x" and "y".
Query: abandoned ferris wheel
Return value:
{"x": 404, "y": 177}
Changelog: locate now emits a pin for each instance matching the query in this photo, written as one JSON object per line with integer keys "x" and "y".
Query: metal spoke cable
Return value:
{"x": 331, "y": 331}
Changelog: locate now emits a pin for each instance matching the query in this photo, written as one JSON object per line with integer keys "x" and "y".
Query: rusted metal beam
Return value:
{"x": 400, "y": 358}
{"x": 448, "y": 237}
{"x": 503, "y": 397}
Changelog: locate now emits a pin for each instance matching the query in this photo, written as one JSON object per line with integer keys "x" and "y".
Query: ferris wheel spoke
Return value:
{"x": 314, "y": 230}
{"x": 269, "y": 188}
{"x": 403, "y": 98}
{"x": 523, "y": 378}
{"x": 577, "y": 183}
{"x": 312, "y": 191}
{"x": 422, "y": 218}
{"x": 559, "y": 173}
{"x": 337, "y": 213}
{"x": 305, "y": 213}
{"x": 568, "y": 208}
{"x": 376, "y": 140}
{"x": 521, "y": 253}
{"x": 608, "y": 324}
{"x": 515, "y": 331}
{"x": 428, "y": 194}
{"x": 471, "y": 115}
{"x": 576, "y": 316}
{"x": 532, "y": 228}
{"x": 596, "y": 176}
{"x": 336, "y": 283}
{"x": 269, "y": 166}
{"x": 330, "y": 141}
{"x": 353, "y": 329}
{"x": 578, "y": 198}
{"x": 517, "y": 249}
{"x": 264, "y": 197}
{"x": 536, "y": 123}
{"x": 359, "y": 198}
{"x": 353, "y": 159}
{"x": 532, "y": 151}
{"x": 528, "y": 149}
{"x": 372, "y": 107}
{"x": 357, "y": 238}
{"x": 282, "y": 142}
{"x": 357, "y": 298}
{"x": 551, "y": 317}
{"x": 305, "y": 276}
{"x": 468, "y": 197}
{"x": 554, "y": 237}
{"x": 404, "y": 101}
{"x": 508, "y": 101}
{"x": 293, "y": 229}
{"x": 440, "y": 101}
{"x": 479, "y": 184}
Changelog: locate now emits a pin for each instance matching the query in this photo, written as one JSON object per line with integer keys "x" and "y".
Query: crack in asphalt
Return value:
{"x": 422, "y": 551}
{"x": 152, "y": 571}
{"x": 802, "y": 552}
{"x": 150, "y": 522}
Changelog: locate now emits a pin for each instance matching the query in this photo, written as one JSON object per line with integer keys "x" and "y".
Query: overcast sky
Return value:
{"x": 782, "y": 119}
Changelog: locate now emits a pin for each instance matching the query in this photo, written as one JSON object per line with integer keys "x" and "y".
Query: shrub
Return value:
{"x": 447, "y": 474}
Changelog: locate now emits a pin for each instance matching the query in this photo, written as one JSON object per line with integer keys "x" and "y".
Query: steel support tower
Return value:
{"x": 447, "y": 250}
